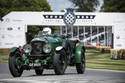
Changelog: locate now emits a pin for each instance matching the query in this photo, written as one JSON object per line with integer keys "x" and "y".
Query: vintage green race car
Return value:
{"x": 47, "y": 51}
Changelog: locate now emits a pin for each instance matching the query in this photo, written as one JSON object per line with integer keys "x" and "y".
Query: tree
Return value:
{"x": 113, "y": 6}
{"x": 7, "y": 6}
{"x": 85, "y": 5}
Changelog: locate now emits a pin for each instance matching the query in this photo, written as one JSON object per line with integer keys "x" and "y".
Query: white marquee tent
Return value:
{"x": 14, "y": 25}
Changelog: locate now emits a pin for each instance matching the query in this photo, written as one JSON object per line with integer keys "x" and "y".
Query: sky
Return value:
{"x": 58, "y": 5}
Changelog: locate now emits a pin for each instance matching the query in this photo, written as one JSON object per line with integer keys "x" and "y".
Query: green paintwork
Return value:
{"x": 78, "y": 54}
{"x": 18, "y": 62}
{"x": 13, "y": 49}
{"x": 46, "y": 59}
{"x": 51, "y": 39}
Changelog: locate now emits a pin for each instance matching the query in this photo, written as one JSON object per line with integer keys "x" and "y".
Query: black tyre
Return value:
{"x": 67, "y": 47}
{"x": 15, "y": 69}
{"x": 80, "y": 67}
{"x": 60, "y": 62}
{"x": 39, "y": 71}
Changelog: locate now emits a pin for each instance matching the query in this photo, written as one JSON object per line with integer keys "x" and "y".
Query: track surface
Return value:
{"x": 71, "y": 76}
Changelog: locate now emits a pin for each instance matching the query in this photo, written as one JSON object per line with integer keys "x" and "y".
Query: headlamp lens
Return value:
{"x": 27, "y": 48}
{"x": 47, "y": 48}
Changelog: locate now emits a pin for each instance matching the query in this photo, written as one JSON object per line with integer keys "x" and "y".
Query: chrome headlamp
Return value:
{"x": 27, "y": 48}
{"x": 47, "y": 48}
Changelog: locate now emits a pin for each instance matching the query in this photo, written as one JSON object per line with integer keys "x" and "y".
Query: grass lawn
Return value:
{"x": 4, "y": 58}
{"x": 95, "y": 59}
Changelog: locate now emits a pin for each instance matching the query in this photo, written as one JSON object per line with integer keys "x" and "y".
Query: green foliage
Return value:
{"x": 7, "y": 6}
{"x": 113, "y": 6}
{"x": 85, "y": 5}
{"x": 33, "y": 30}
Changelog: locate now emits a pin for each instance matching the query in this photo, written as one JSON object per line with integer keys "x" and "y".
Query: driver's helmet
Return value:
{"x": 46, "y": 30}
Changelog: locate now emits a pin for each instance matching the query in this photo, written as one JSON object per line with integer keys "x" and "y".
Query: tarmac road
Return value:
{"x": 71, "y": 76}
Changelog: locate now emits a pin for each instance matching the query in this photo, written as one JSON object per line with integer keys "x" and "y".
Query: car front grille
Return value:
{"x": 37, "y": 47}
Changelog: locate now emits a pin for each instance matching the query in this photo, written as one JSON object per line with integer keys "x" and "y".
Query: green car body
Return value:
{"x": 47, "y": 52}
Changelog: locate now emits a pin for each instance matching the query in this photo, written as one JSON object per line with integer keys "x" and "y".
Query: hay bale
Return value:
{"x": 4, "y": 51}
{"x": 103, "y": 49}
{"x": 90, "y": 47}
{"x": 114, "y": 54}
{"x": 117, "y": 54}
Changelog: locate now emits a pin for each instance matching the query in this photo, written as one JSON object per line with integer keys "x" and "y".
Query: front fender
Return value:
{"x": 13, "y": 49}
{"x": 78, "y": 54}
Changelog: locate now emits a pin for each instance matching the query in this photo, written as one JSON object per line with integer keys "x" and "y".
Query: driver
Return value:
{"x": 46, "y": 31}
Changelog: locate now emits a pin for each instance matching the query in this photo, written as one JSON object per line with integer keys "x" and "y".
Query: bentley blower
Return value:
{"x": 47, "y": 51}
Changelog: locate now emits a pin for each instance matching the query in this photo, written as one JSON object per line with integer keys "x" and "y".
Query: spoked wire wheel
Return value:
{"x": 15, "y": 64}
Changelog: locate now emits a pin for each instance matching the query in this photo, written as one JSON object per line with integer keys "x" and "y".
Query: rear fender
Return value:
{"x": 78, "y": 54}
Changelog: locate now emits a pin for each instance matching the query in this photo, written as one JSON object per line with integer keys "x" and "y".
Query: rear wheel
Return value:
{"x": 80, "y": 67}
{"x": 39, "y": 71}
{"x": 60, "y": 62}
{"x": 15, "y": 64}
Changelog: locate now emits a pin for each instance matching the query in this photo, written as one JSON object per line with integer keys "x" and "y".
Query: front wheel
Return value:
{"x": 60, "y": 62}
{"x": 80, "y": 67}
{"x": 15, "y": 64}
